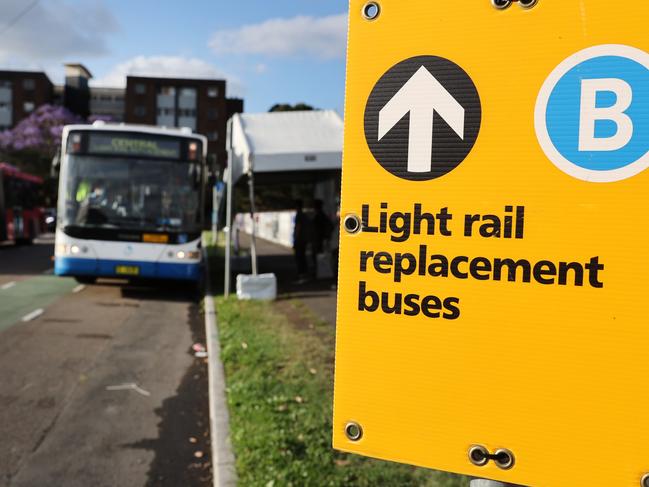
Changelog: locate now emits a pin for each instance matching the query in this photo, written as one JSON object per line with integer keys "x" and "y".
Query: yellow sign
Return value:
{"x": 492, "y": 306}
{"x": 155, "y": 238}
{"x": 127, "y": 270}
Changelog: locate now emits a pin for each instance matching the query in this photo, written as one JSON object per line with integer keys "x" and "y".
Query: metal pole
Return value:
{"x": 228, "y": 214}
{"x": 489, "y": 483}
{"x": 253, "y": 239}
{"x": 215, "y": 209}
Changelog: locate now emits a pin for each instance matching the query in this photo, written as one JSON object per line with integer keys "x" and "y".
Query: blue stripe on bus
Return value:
{"x": 69, "y": 266}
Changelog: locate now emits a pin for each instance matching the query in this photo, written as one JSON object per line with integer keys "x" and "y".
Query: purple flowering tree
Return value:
{"x": 32, "y": 143}
{"x": 40, "y": 132}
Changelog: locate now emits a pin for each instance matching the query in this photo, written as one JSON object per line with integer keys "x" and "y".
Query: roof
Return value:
{"x": 286, "y": 141}
{"x": 290, "y": 132}
{"x": 76, "y": 69}
{"x": 13, "y": 171}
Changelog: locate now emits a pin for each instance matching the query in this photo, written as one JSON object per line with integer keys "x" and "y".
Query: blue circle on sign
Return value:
{"x": 563, "y": 112}
{"x": 592, "y": 113}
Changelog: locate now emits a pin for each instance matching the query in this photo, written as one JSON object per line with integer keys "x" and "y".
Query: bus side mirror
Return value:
{"x": 56, "y": 163}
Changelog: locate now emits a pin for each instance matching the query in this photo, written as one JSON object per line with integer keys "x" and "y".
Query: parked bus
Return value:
{"x": 21, "y": 216}
{"x": 130, "y": 202}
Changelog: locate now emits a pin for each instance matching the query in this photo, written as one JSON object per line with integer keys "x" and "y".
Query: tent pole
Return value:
{"x": 228, "y": 214}
{"x": 253, "y": 237}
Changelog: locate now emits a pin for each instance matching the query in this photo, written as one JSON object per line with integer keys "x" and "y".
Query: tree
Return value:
{"x": 32, "y": 143}
{"x": 286, "y": 107}
{"x": 39, "y": 132}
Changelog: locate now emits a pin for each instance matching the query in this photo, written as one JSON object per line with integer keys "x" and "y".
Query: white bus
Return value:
{"x": 130, "y": 202}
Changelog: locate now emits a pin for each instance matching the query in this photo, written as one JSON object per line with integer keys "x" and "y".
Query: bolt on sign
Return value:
{"x": 493, "y": 310}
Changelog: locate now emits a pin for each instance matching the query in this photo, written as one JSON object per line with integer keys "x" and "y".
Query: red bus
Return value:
{"x": 21, "y": 216}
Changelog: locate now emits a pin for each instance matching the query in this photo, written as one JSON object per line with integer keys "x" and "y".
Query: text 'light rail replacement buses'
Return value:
{"x": 130, "y": 202}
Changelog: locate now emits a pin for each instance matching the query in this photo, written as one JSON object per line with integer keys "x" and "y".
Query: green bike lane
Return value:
{"x": 25, "y": 297}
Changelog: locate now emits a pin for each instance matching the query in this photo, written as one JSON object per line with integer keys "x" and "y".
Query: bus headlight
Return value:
{"x": 70, "y": 249}
{"x": 191, "y": 254}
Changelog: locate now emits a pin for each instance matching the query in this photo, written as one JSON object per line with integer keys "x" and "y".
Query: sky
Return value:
{"x": 269, "y": 51}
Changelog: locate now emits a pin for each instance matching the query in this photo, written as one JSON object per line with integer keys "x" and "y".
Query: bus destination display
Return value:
{"x": 165, "y": 147}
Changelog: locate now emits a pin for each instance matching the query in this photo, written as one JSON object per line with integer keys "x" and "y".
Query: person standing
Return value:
{"x": 335, "y": 245}
{"x": 300, "y": 240}
{"x": 322, "y": 230}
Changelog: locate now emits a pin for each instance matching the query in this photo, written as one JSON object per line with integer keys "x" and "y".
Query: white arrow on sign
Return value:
{"x": 421, "y": 96}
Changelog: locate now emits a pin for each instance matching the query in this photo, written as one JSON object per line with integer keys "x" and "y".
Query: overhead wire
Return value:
{"x": 19, "y": 16}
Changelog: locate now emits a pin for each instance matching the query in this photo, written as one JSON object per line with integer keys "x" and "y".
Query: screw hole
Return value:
{"x": 352, "y": 224}
{"x": 371, "y": 11}
{"x": 645, "y": 480}
{"x": 478, "y": 455}
{"x": 528, "y": 3}
{"x": 353, "y": 431}
{"x": 501, "y": 4}
{"x": 503, "y": 459}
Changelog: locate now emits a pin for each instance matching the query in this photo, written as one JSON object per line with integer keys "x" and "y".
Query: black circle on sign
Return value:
{"x": 448, "y": 149}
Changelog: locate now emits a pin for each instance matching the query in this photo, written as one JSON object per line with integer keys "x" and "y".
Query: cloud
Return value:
{"x": 261, "y": 68}
{"x": 53, "y": 30}
{"x": 322, "y": 37}
{"x": 167, "y": 67}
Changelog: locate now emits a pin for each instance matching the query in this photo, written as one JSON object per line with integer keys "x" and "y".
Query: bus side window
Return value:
{"x": 10, "y": 201}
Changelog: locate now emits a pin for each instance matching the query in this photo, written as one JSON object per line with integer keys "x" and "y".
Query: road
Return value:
{"x": 98, "y": 384}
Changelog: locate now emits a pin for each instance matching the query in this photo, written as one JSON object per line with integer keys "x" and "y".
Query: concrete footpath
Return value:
{"x": 223, "y": 463}
{"x": 319, "y": 295}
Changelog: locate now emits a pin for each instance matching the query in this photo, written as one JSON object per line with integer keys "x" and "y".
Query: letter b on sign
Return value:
{"x": 592, "y": 114}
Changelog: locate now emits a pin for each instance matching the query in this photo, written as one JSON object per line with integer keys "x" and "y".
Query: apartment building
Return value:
{"x": 107, "y": 103}
{"x": 21, "y": 92}
{"x": 199, "y": 104}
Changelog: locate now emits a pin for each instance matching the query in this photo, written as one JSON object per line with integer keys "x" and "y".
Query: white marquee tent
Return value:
{"x": 279, "y": 146}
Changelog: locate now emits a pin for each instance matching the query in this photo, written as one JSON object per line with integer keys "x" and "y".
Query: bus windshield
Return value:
{"x": 142, "y": 194}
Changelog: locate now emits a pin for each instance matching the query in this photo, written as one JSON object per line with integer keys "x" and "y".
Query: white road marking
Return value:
{"x": 79, "y": 288}
{"x": 129, "y": 386}
{"x": 8, "y": 285}
{"x": 33, "y": 315}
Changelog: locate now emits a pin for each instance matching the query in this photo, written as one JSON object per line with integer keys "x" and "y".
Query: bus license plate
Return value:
{"x": 127, "y": 270}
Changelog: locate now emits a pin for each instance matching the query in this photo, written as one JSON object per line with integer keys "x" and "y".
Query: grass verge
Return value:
{"x": 279, "y": 372}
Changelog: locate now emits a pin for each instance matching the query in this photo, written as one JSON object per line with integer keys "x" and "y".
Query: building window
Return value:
{"x": 212, "y": 136}
{"x": 212, "y": 114}
{"x": 213, "y": 91}
{"x": 140, "y": 88}
{"x": 165, "y": 111}
{"x": 168, "y": 91}
{"x": 29, "y": 84}
{"x": 190, "y": 92}
{"x": 5, "y": 83}
{"x": 140, "y": 111}
{"x": 186, "y": 112}
{"x": 28, "y": 106}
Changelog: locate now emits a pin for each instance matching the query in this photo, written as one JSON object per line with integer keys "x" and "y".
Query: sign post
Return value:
{"x": 494, "y": 242}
